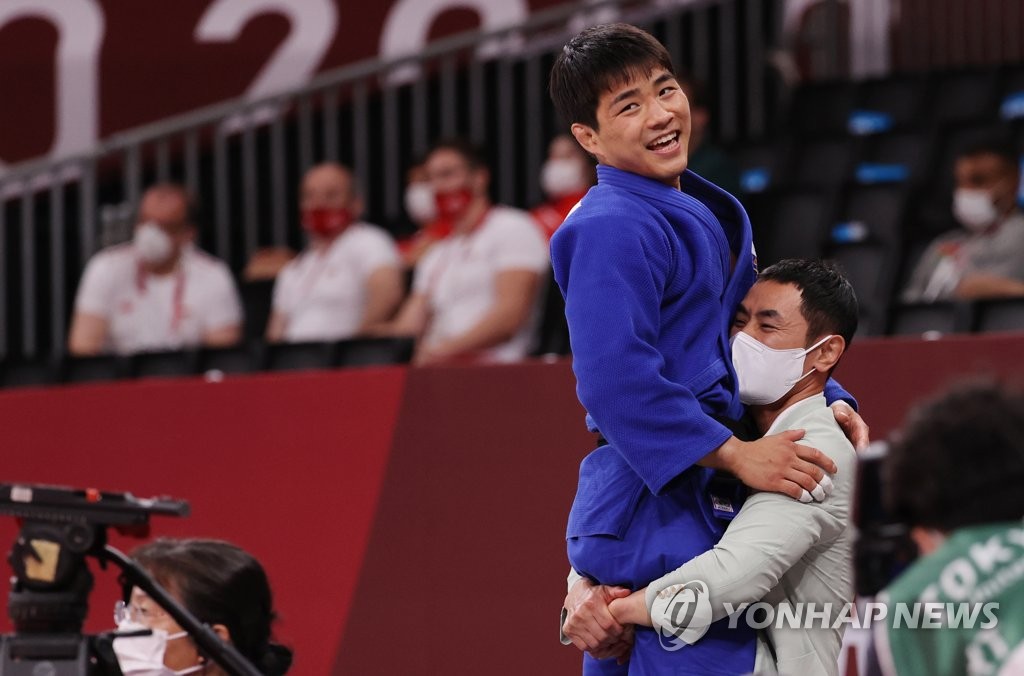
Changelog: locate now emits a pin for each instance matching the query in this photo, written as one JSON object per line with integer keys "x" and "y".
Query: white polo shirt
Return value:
{"x": 322, "y": 294}
{"x": 147, "y": 312}
{"x": 458, "y": 275}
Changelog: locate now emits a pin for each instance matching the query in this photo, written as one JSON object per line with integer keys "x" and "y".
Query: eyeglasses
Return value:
{"x": 136, "y": 613}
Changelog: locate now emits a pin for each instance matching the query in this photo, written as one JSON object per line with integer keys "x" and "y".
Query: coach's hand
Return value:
{"x": 588, "y": 622}
{"x": 856, "y": 430}
{"x": 777, "y": 464}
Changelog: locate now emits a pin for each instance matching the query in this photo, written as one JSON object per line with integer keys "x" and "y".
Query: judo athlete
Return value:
{"x": 652, "y": 265}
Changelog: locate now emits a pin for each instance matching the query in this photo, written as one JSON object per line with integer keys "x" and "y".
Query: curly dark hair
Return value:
{"x": 959, "y": 460}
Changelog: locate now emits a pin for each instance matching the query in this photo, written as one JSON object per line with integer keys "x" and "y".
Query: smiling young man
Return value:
{"x": 653, "y": 264}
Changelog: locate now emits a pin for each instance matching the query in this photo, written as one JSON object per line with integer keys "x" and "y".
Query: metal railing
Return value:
{"x": 244, "y": 158}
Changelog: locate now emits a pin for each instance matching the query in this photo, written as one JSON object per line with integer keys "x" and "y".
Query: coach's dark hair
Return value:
{"x": 959, "y": 460}
{"x": 827, "y": 299}
{"x": 597, "y": 60}
{"x": 220, "y": 583}
{"x": 474, "y": 155}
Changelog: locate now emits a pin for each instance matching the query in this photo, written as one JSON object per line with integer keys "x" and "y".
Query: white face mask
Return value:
{"x": 766, "y": 375}
{"x": 420, "y": 203}
{"x": 152, "y": 243}
{"x": 974, "y": 209}
{"x": 561, "y": 177}
{"x": 144, "y": 655}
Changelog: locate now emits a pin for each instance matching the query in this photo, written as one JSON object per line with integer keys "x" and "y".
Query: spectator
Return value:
{"x": 986, "y": 257}
{"x": 158, "y": 292}
{"x": 349, "y": 276}
{"x": 954, "y": 476}
{"x": 565, "y": 178}
{"x": 223, "y": 586}
{"x": 421, "y": 207}
{"x": 707, "y": 160}
{"x": 474, "y": 293}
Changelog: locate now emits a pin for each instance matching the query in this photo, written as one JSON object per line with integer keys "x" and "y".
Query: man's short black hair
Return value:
{"x": 598, "y": 60}
{"x": 827, "y": 299}
{"x": 959, "y": 460}
{"x": 471, "y": 152}
{"x": 990, "y": 144}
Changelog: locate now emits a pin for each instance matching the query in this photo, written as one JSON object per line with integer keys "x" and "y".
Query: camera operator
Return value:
{"x": 955, "y": 477}
{"x": 221, "y": 585}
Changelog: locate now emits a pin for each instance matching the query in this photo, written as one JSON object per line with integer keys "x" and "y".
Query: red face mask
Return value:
{"x": 452, "y": 204}
{"x": 326, "y": 222}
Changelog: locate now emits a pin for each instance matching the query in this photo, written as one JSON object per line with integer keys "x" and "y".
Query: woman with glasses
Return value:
{"x": 222, "y": 586}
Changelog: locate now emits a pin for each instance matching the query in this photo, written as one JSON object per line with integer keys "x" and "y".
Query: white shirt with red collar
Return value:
{"x": 458, "y": 276}
{"x": 147, "y": 312}
{"x": 322, "y": 293}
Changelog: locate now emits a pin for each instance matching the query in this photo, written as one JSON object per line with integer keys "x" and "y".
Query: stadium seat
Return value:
{"x": 256, "y": 302}
{"x": 90, "y": 369}
{"x": 918, "y": 319}
{"x": 870, "y": 269}
{"x": 823, "y": 164}
{"x": 900, "y": 98}
{"x": 300, "y": 356}
{"x": 906, "y": 149}
{"x": 374, "y": 351}
{"x": 27, "y": 373}
{"x": 962, "y": 96}
{"x": 1000, "y": 315}
{"x": 880, "y": 208}
{"x": 822, "y": 109}
{"x": 790, "y": 224}
{"x": 241, "y": 359}
{"x": 163, "y": 364}
{"x": 553, "y": 332}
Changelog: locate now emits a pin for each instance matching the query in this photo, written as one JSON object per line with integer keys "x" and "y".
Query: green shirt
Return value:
{"x": 975, "y": 569}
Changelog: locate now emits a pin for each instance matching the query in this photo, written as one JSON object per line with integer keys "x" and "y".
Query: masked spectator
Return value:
{"x": 565, "y": 178}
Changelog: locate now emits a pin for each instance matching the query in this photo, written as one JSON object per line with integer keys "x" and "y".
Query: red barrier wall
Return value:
{"x": 411, "y": 521}
{"x": 287, "y": 466}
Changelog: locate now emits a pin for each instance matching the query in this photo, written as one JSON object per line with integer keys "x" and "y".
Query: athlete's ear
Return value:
{"x": 586, "y": 136}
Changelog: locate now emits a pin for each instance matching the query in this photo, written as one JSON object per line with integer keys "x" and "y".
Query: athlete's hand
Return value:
{"x": 620, "y": 650}
{"x": 588, "y": 622}
{"x": 856, "y": 430}
{"x": 779, "y": 465}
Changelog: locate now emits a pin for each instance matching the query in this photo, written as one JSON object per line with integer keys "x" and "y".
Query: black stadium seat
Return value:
{"x": 916, "y": 319}
{"x": 256, "y": 301}
{"x": 1000, "y": 315}
{"x": 374, "y": 351}
{"x": 90, "y": 369}
{"x": 962, "y": 96}
{"x": 26, "y": 373}
{"x": 300, "y": 356}
{"x": 880, "y": 208}
{"x": 163, "y": 364}
{"x": 241, "y": 359}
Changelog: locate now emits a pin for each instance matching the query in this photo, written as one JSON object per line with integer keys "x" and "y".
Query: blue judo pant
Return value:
{"x": 664, "y": 532}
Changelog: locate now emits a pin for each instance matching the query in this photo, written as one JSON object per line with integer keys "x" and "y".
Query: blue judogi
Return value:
{"x": 651, "y": 277}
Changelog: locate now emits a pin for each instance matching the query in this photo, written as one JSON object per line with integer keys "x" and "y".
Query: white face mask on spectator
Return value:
{"x": 765, "y": 375}
{"x": 974, "y": 209}
{"x": 561, "y": 177}
{"x": 152, "y": 243}
{"x": 144, "y": 655}
{"x": 419, "y": 202}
